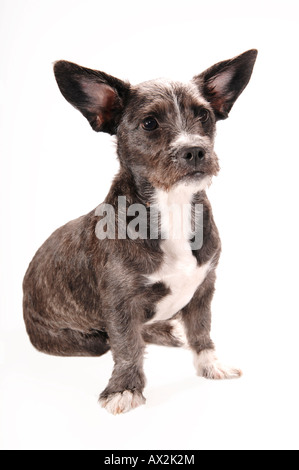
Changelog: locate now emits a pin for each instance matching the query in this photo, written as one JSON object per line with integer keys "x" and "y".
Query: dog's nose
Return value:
{"x": 193, "y": 155}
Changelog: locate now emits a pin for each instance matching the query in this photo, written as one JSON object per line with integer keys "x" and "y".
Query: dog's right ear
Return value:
{"x": 99, "y": 97}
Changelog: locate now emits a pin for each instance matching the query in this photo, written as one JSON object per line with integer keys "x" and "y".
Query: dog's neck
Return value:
{"x": 138, "y": 190}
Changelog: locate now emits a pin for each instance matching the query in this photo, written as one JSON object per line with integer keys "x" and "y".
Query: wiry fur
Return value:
{"x": 84, "y": 296}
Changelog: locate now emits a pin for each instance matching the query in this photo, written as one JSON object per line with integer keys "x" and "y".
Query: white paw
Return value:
{"x": 207, "y": 365}
{"x": 179, "y": 332}
{"x": 122, "y": 402}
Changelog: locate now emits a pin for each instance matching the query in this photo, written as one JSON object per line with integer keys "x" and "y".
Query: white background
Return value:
{"x": 54, "y": 169}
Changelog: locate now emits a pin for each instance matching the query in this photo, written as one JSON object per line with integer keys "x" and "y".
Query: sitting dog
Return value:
{"x": 109, "y": 281}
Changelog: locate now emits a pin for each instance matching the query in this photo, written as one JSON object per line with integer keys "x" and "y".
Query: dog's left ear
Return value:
{"x": 99, "y": 97}
{"x": 223, "y": 83}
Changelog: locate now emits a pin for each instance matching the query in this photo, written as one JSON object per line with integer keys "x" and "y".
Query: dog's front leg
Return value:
{"x": 124, "y": 391}
{"x": 196, "y": 317}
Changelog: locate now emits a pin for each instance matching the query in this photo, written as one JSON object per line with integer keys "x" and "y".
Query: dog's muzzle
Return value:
{"x": 192, "y": 158}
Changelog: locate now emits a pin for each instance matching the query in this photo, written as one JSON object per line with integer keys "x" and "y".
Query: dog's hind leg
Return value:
{"x": 166, "y": 333}
{"x": 67, "y": 342}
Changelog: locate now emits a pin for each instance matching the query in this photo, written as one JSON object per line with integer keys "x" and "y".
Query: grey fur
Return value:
{"x": 84, "y": 296}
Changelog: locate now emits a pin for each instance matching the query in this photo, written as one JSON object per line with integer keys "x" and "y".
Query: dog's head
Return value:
{"x": 165, "y": 130}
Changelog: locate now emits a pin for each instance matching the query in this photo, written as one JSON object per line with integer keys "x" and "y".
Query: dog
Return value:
{"x": 90, "y": 289}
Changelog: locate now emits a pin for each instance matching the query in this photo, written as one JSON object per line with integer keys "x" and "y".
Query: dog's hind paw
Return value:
{"x": 122, "y": 402}
{"x": 207, "y": 365}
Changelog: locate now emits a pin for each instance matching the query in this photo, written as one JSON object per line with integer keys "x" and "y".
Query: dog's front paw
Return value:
{"x": 207, "y": 365}
{"x": 122, "y": 402}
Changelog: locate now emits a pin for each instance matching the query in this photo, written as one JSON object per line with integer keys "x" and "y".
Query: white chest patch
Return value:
{"x": 179, "y": 270}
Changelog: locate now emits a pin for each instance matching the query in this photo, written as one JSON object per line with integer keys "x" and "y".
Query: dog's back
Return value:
{"x": 62, "y": 301}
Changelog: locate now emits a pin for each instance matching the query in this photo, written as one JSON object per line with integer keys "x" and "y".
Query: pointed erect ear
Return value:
{"x": 100, "y": 97}
{"x": 224, "y": 82}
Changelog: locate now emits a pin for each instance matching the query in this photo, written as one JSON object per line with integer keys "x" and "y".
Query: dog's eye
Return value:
{"x": 149, "y": 124}
{"x": 203, "y": 114}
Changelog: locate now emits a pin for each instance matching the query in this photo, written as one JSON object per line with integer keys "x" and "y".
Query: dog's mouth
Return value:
{"x": 200, "y": 179}
{"x": 195, "y": 174}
